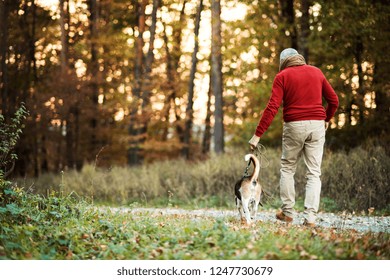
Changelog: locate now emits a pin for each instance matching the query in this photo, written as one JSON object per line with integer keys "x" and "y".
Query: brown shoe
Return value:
{"x": 307, "y": 224}
{"x": 282, "y": 217}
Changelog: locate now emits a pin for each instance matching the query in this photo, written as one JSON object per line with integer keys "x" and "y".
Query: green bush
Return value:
{"x": 9, "y": 136}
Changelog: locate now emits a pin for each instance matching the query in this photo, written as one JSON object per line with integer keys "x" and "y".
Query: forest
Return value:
{"x": 124, "y": 125}
{"x": 116, "y": 82}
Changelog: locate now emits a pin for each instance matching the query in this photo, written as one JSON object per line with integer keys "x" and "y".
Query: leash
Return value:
{"x": 259, "y": 152}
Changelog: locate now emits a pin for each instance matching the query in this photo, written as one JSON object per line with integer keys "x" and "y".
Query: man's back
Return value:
{"x": 303, "y": 88}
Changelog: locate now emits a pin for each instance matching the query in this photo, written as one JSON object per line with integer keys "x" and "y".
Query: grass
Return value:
{"x": 56, "y": 216}
{"x": 66, "y": 228}
{"x": 353, "y": 181}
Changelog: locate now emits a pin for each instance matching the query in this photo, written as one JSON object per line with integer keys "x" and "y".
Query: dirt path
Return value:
{"x": 327, "y": 220}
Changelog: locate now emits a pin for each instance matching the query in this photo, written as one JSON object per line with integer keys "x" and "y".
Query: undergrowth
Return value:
{"x": 353, "y": 181}
{"x": 67, "y": 228}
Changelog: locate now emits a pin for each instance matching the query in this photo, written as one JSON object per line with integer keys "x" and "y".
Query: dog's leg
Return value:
{"x": 255, "y": 208}
{"x": 245, "y": 206}
{"x": 256, "y": 202}
{"x": 239, "y": 208}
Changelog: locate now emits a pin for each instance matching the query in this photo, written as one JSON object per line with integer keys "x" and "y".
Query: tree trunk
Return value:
{"x": 207, "y": 130}
{"x": 216, "y": 69}
{"x": 67, "y": 88}
{"x": 358, "y": 51}
{"x": 133, "y": 156}
{"x": 191, "y": 85}
{"x": 94, "y": 73}
{"x": 382, "y": 94}
{"x": 32, "y": 42}
{"x": 381, "y": 82}
{"x": 287, "y": 19}
{"x": 147, "y": 79}
{"x": 32, "y": 67}
{"x": 146, "y": 86}
{"x": 171, "y": 88}
{"x": 143, "y": 86}
{"x": 4, "y": 11}
{"x": 69, "y": 140}
{"x": 172, "y": 61}
{"x": 305, "y": 29}
{"x": 64, "y": 37}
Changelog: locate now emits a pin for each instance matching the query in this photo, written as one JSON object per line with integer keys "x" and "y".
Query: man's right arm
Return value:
{"x": 272, "y": 107}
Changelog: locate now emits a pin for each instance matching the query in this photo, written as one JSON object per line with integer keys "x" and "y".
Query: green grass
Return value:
{"x": 56, "y": 216}
{"x": 63, "y": 227}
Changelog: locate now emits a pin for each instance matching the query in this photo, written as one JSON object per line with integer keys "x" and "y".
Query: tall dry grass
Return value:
{"x": 355, "y": 180}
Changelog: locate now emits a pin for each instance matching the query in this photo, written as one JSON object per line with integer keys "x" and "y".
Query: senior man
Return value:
{"x": 301, "y": 88}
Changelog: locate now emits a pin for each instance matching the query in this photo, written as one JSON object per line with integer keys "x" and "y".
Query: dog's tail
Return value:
{"x": 256, "y": 165}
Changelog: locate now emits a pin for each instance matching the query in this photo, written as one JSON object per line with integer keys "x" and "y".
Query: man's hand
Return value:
{"x": 326, "y": 125}
{"x": 254, "y": 141}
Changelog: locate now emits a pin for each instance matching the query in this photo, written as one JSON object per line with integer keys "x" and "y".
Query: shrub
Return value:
{"x": 358, "y": 179}
{"x": 9, "y": 136}
{"x": 355, "y": 180}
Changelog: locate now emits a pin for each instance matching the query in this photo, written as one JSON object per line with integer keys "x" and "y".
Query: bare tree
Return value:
{"x": 64, "y": 36}
{"x": 216, "y": 75}
{"x": 142, "y": 85}
{"x": 172, "y": 61}
{"x": 305, "y": 29}
{"x": 94, "y": 72}
{"x": 4, "y": 11}
{"x": 207, "y": 130}
{"x": 287, "y": 17}
{"x": 191, "y": 84}
{"x": 147, "y": 79}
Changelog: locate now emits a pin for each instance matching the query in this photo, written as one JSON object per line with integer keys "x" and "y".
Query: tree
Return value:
{"x": 115, "y": 74}
{"x": 142, "y": 87}
{"x": 172, "y": 87}
{"x": 287, "y": 22}
{"x": 207, "y": 123}
{"x": 4, "y": 12}
{"x": 379, "y": 46}
{"x": 64, "y": 36}
{"x": 94, "y": 72}
{"x": 134, "y": 149}
{"x": 191, "y": 84}
{"x": 216, "y": 74}
{"x": 305, "y": 29}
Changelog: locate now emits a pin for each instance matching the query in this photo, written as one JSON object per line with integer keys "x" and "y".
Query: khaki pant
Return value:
{"x": 302, "y": 138}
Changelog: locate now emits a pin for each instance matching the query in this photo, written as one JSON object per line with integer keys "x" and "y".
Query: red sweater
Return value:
{"x": 301, "y": 89}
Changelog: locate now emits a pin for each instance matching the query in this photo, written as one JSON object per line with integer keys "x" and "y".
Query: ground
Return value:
{"x": 326, "y": 220}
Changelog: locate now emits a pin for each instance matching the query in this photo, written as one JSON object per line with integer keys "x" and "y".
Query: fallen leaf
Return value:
{"x": 339, "y": 252}
{"x": 360, "y": 256}
{"x": 69, "y": 255}
{"x": 304, "y": 254}
{"x": 85, "y": 236}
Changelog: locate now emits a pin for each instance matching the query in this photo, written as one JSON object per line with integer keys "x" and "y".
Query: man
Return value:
{"x": 301, "y": 88}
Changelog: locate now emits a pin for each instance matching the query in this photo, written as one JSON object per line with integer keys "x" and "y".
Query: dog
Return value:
{"x": 248, "y": 192}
